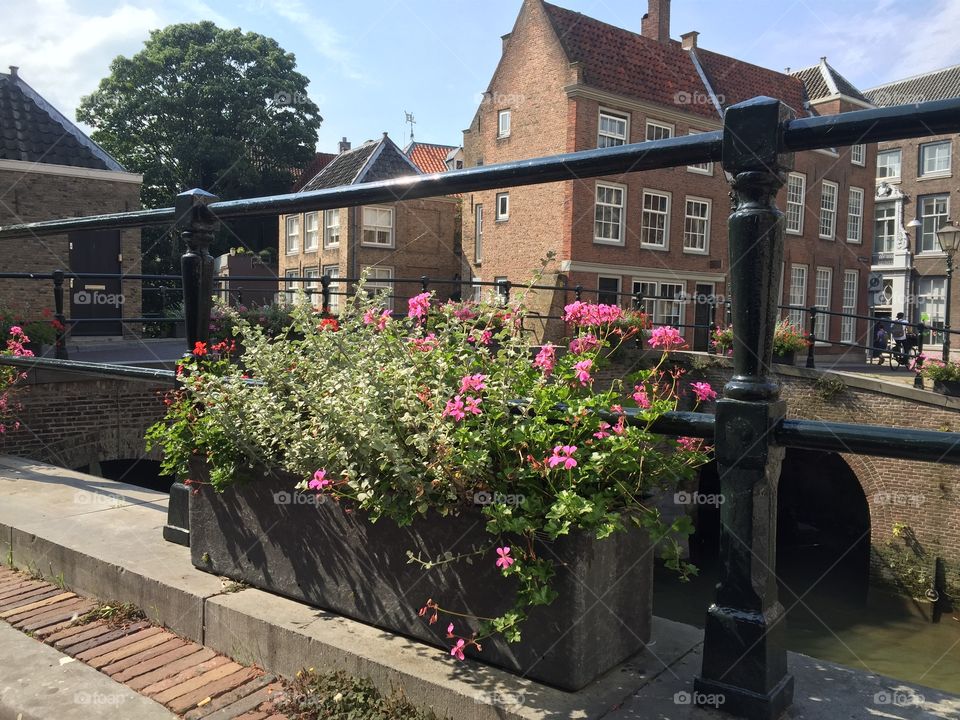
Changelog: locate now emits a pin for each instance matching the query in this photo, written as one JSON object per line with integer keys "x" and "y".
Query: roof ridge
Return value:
{"x": 914, "y": 77}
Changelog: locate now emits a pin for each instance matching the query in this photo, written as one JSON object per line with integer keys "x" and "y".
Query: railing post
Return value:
{"x": 578, "y": 292}
{"x": 61, "y": 343}
{"x": 812, "y": 336}
{"x": 712, "y": 325}
{"x": 744, "y": 656}
{"x": 197, "y": 226}
{"x": 507, "y": 285}
{"x": 729, "y": 313}
{"x": 325, "y": 294}
{"x": 424, "y": 282}
{"x": 918, "y": 378}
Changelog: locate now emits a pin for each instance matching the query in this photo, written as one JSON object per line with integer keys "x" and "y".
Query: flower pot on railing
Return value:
{"x": 785, "y": 358}
{"x": 947, "y": 387}
{"x": 310, "y": 548}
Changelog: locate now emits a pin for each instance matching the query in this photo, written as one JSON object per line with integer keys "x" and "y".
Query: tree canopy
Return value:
{"x": 205, "y": 107}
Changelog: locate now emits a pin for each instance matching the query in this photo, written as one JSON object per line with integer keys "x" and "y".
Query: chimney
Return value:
{"x": 688, "y": 41}
{"x": 656, "y": 23}
{"x": 504, "y": 39}
{"x": 13, "y": 72}
{"x": 344, "y": 144}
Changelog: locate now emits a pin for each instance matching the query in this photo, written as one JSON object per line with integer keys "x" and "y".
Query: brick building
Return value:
{"x": 50, "y": 169}
{"x": 403, "y": 239}
{"x": 915, "y": 181}
{"x": 566, "y": 82}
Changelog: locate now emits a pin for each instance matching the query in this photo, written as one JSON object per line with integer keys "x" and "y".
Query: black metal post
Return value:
{"x": 712, "y": 303}
{"x": 325, "y": 294}
{"x": 729, "y": 313}
{"x": 918, "y": 378}
{"x": 61, "y": 342}
{"x": 578, "y": 292}
{"x": 196, "y": 225}
{"x": 424, "y": 282}
{"x": 506, "y": 285}
{"x": 812, "y": 336}
{"x": 744, "y": 656}
{"x": 946, "y": 312}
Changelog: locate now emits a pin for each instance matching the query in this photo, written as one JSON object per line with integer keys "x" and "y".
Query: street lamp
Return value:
{"x": 949, "y": 238}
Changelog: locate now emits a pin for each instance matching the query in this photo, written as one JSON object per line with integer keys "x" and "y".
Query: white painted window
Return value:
{"x": 822, "y": 292}
{"x": 311, "y": 231}
{"x": 292, "y": 242}
{"x": 608, "y": 289}
{"x": 796, "y": 191}
{"x": 503, "y": 207}
{"x": 503, "y": 123}
{"x": 613, "y": 129}
{"x": 701, "y": 168}
{"x": 798, "y": 294}
{"x": 931, "y": 299}
{"x": 885, "y": 229}
{"x": 312, "y": 286}
{"x": 477, "y": 290}
{"x": 696, "y": 226}
{"x": 331, "y": 228}
{"x": 935, "y": 158}
{"x": 662, "y": 302}
{"x": 378, "y": 278}
{"x": 290, "y": 286}
{"x": 378, "y": 226}
{"x": 655, "y": 222}
{"x": 333, "y": 271}
{"x": 888, "y": 164}
{"x": 934, "y": 210}
{"x": 858, "y": 155}
{"x": 658, "y": 130}
{"x": 828, "y": 210}
{"x": 478, "y": 233}
{"x": 848, "y": 325}
{"x": 855, "y": 216}
{"x": 500, "y": 290}
{"x": 609, "y": 213}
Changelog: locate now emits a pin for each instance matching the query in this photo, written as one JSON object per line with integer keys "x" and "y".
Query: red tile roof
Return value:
{"x": 430, "y": 158}
{"x": 627, "y": 63}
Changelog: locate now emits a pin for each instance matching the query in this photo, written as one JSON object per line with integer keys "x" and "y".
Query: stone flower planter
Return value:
{"x": 263, "y": 534}
{"x": 947, "y": 387}
{"x": 787, "y": 358}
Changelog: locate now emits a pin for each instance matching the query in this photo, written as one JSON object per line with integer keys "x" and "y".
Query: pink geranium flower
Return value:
{"x": 641, "y": 398}
{"x": 546, "y": 358}
{"x": 454, "y": 408}
{"x": 583, "y": 344}
{"x": 703, "y": 391}
{"x": 472, "y": 405}
{"x": 582, "y": 370}
{"x": 319, "y": 481}
{"x": 590, "y": 315}
{"x": 690, "y": 444}
{"x": 504, "y": 561}
{"x": 457, "y": 650}
{"x": 603, "y": 432}
{"x": 473, "y": 383}
{"x": 563, "y": 455}
{"x": 418, "y": 306}
{"x": 666, "y": 337}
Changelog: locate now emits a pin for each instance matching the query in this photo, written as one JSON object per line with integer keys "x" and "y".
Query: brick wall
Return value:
{"x": 42, "y": 196}
{"x": 72, "y": 422}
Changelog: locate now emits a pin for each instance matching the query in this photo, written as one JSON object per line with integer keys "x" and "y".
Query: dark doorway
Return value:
{"x": 702, "y": 316}
{"x": 143, "y": 473}
{"x": 96, "y": 302}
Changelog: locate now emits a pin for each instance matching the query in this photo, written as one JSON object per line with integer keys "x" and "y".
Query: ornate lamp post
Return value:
{"x": 949, "y": 238}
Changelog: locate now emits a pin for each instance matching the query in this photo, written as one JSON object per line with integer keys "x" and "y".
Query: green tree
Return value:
{"x": 204, "y": 107}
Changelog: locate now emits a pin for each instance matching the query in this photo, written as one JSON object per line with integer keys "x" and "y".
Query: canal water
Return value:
{"x": 881, "y": 633}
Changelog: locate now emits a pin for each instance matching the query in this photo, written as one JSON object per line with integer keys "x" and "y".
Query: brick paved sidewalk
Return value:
{"x": 188, "y": 679}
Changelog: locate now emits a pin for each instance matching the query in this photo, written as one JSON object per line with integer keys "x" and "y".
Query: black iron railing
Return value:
{"x": 744, "y": 657}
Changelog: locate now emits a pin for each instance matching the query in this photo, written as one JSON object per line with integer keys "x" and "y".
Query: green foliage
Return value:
{"x": 936, "y": 369}
{"x": 787, "y": 338}
{"x": 337, "y": 696}
{"x": 399, "y": 417}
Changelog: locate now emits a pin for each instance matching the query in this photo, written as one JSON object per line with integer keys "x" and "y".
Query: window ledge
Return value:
{"x": 603, "y": 241}
{"x": 934, "y": 176}
{"x": 661, "y": 248}
{"x": 798, "y": 233}
{"x": 687, "y": 251}
{"x": 699, "y": 171}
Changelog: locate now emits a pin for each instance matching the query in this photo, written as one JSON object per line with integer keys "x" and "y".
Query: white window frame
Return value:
{"x": 328, "y": 227}
{"x": 502, "y": 207}
{"x": 614, "y": 139}
{"x": 889, "y": 220}
{"x": 848, "y": 325}
{"x": 619, "y": 282}
{"x": 291, "y": 238}
{"x": 643, "y": 220}
{"x": 504, "y": 119}
{"x": 311, "y": 236}
{"x": 858, "y": 154}
{"x": 828, "y": 216}
{"x": 822, "y": 300}
{"x": 656, "y": 125}
{"x": 883, "y": 154}
{"x": 332, "y": 271}
{"x": 657, "y": 307}
{"x": 797, "y": 202}
{"x": 798, "y": 293}
{"x": 313, "y": 283}
{"x": 855, "y": 215}
{"x": 700, "y": 168}
{"x": 290, "y": 286}
{"x": 921, "y": 164}
{"x": 687, "y": 218}
{"x": 378, "y": 228}
{"x": 597, "y": 205}
{"x": 922, "y": 232}
{"x": 477, "y": 290}
{"x": 931, "y": 299}
{"x": 478, "y": 233}
{"x": 499, "y": 292}
{"x": 375, "y": 275}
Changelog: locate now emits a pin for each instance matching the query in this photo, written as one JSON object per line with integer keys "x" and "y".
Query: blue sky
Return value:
{"x": 371, "y": 60}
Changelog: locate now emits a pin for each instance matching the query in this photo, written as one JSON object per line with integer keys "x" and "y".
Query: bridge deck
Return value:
{"x": 105, "y": 538}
